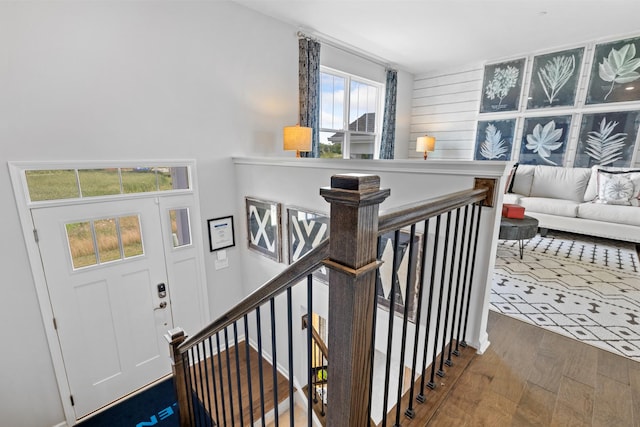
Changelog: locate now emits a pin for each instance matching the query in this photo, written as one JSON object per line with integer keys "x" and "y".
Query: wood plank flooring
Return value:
{"x": 533, "y": 377}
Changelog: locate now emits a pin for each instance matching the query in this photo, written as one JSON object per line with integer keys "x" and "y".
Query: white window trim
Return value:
{"x": 346, "y": 148}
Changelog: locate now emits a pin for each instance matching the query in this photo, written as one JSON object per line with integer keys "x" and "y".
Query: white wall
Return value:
{"x": 129, "y": 80}
{"x": 445, "y": 104}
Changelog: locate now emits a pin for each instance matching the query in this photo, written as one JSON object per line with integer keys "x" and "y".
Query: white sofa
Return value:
{"x": 567, "y": 199}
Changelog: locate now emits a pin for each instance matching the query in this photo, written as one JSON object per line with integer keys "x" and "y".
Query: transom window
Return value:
{"x": 350, "y": 112}
{"x": 57, "y": 184}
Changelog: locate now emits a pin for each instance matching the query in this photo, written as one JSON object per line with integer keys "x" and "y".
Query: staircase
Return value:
{"x": 400, "y": 285}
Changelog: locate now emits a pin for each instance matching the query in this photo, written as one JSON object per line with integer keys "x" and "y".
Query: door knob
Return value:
{"x": 162, "y": 305}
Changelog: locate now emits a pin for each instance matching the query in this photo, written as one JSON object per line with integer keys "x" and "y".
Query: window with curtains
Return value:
{"x": 350, "y": 115}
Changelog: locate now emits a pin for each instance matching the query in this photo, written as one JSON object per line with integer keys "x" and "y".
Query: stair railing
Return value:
{"x": 207, "y": 374}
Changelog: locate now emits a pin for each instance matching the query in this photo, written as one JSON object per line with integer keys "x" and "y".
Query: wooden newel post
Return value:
{"x": 355, "y": 201}
{"x": 176, "y": 337}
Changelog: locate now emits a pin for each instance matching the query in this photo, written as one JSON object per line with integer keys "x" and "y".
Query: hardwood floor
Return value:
{"x": 532, "y": 377}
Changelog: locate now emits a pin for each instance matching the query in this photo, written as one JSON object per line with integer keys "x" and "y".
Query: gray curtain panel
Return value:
{"x": 309, "y": 90}
{"x": 389, "y": 119}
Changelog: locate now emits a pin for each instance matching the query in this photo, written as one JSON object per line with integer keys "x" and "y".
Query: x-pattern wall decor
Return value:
{"x": 306, "y": 230}
{"x": 263, "y": 227}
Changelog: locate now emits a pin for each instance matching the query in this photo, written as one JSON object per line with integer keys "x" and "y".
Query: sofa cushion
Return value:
{"x": 550, "y": 206}
{"x": 511, "y": 198}
{"x": 523, "y": 179}
{"x": 560, "y": 183}
{"x": 618, "y": 188}
{"x": 592, "y": 187}
{"x": 610, "y": 213}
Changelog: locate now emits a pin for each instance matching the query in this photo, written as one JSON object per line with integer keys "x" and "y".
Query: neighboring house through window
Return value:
{"x": 350, "y": 115}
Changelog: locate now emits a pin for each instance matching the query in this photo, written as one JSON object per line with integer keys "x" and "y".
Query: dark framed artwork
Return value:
{"x": 502, "y": 86}
{"x": 263, "y": 227}
{"x": 221, "y": 234}
{"x": 607, "y": 139}
{"x": 494, "y": 139}
{"x": 544, "y": 140}
{"x": 554, "y": 79}
{"x": 306, "y": 230}
{"x": 384, "y": 287}
{"x": 615, "y": 72}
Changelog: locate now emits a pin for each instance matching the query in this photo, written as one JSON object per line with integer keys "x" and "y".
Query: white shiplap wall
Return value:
{"x": 446, "y": 105}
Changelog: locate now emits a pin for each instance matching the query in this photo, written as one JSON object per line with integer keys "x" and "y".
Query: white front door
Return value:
{"x": 106, "y": 281}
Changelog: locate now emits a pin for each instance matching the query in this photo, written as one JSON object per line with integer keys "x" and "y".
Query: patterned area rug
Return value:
{"x": 582, "y": 287}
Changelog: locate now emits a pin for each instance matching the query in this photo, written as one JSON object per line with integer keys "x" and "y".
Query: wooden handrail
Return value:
{"x": 292, "y": 275}
{"x": 415, "y": 212}
{"x": 316, "y": 336}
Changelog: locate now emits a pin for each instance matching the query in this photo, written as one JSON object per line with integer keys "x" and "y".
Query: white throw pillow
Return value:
{"x": 619, "y": 188}
{"x": 591, "y": 193}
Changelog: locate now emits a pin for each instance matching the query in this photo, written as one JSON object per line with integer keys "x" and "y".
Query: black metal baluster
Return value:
{"x": 187, "y": 379}
{"x": 416, "y": 338}
{"x": 232, "y": 413}
{"x": 473, "y": 265}
{"x": 457, "y": 297}
{"x": 449, "y": 292}
{"x": 213, "y": 378}
{"x": 309, "y": 350}
{"x": 207, "y": 407}
{"x": 247, "y": 352}
{"x": 432, "y": 382}
{"x": 274, "y": 361}
{"x": 290, "y": 337}
{"x": 434, "y": 259}
{"x": 201, "y": 380}
{"x": 403, "y": 342}
{"x": 238, "y": 380}
{"x": 314, "y": 367}
{"x": 392, "y": 310}
{"x": 222, "y": 393}
{"x": 464, "y": 280}
{"x": 260, "y": 368}
{"x": 373, "y": 335}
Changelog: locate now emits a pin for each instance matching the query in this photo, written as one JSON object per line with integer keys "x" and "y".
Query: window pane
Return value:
{"x": 173, "y": 178}
{"x": 107, "y": 238}
{"x": 99, "y": 182}
{"x": 81, "y": 247}
{"x": 331, "y": 145}
{"x": 138, "y": 180}
{"x": 362, "y": 112}
{"x": 180, "y": 228}
{"x": 131, "y": 236}
{"x": 362, "y": 146}
{"x": 52, "y": 184}
{"x": 332, "y": 101}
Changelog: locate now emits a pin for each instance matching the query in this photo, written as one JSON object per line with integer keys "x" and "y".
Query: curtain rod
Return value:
{"x": 345, "y": 48}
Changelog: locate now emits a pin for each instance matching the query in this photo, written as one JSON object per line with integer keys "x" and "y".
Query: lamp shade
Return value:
{"x": 297, "y": 138}
{"x": 425, "y": 143}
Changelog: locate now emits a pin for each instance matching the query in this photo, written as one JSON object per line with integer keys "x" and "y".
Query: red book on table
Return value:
{"x": 512, "y": 211}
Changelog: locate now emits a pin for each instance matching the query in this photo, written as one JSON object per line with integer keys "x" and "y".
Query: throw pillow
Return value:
{"x": 619, "y": 188}
{"x": 508, "y": 188}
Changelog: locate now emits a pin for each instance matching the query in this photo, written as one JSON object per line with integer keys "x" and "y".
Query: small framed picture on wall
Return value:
{"x": 502, "y": 86}
{"x": 494, "y": 139}
{"x": 544, "y": 140}
{"x": 263, "y": 227}
{"x": 615, "y": 73}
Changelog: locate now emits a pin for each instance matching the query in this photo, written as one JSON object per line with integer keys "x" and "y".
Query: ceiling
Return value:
{"x": 420, "y": 36}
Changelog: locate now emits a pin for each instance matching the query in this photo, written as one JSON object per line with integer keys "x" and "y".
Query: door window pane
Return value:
{"x": 130, "y": 236}
{"x": 80, "y": 238}
{"x": 52, "y": 184}
{"x": 107, "y": 239}
{"x": 180, "y": 227}
{"x": 99, "y": 182}
{"x": 176, "y": 178}
{"x": 138, "y": 180}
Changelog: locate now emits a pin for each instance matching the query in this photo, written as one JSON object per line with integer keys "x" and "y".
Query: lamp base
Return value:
{"x": 425, "y": 155}
{"x": 298, "y": 153}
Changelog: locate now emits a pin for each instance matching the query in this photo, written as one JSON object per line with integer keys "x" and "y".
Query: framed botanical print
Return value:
{"x": 607, "y": 139}
{"x": 502, "y": 86}
{"x": 554, "y": 79}
{"x": 263, "y": 227}
{"x": 403, "y": 293}
{"x": 494, "y": 139}
{"x": 544, "y": 140}
{"x": 615, "y": 72}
